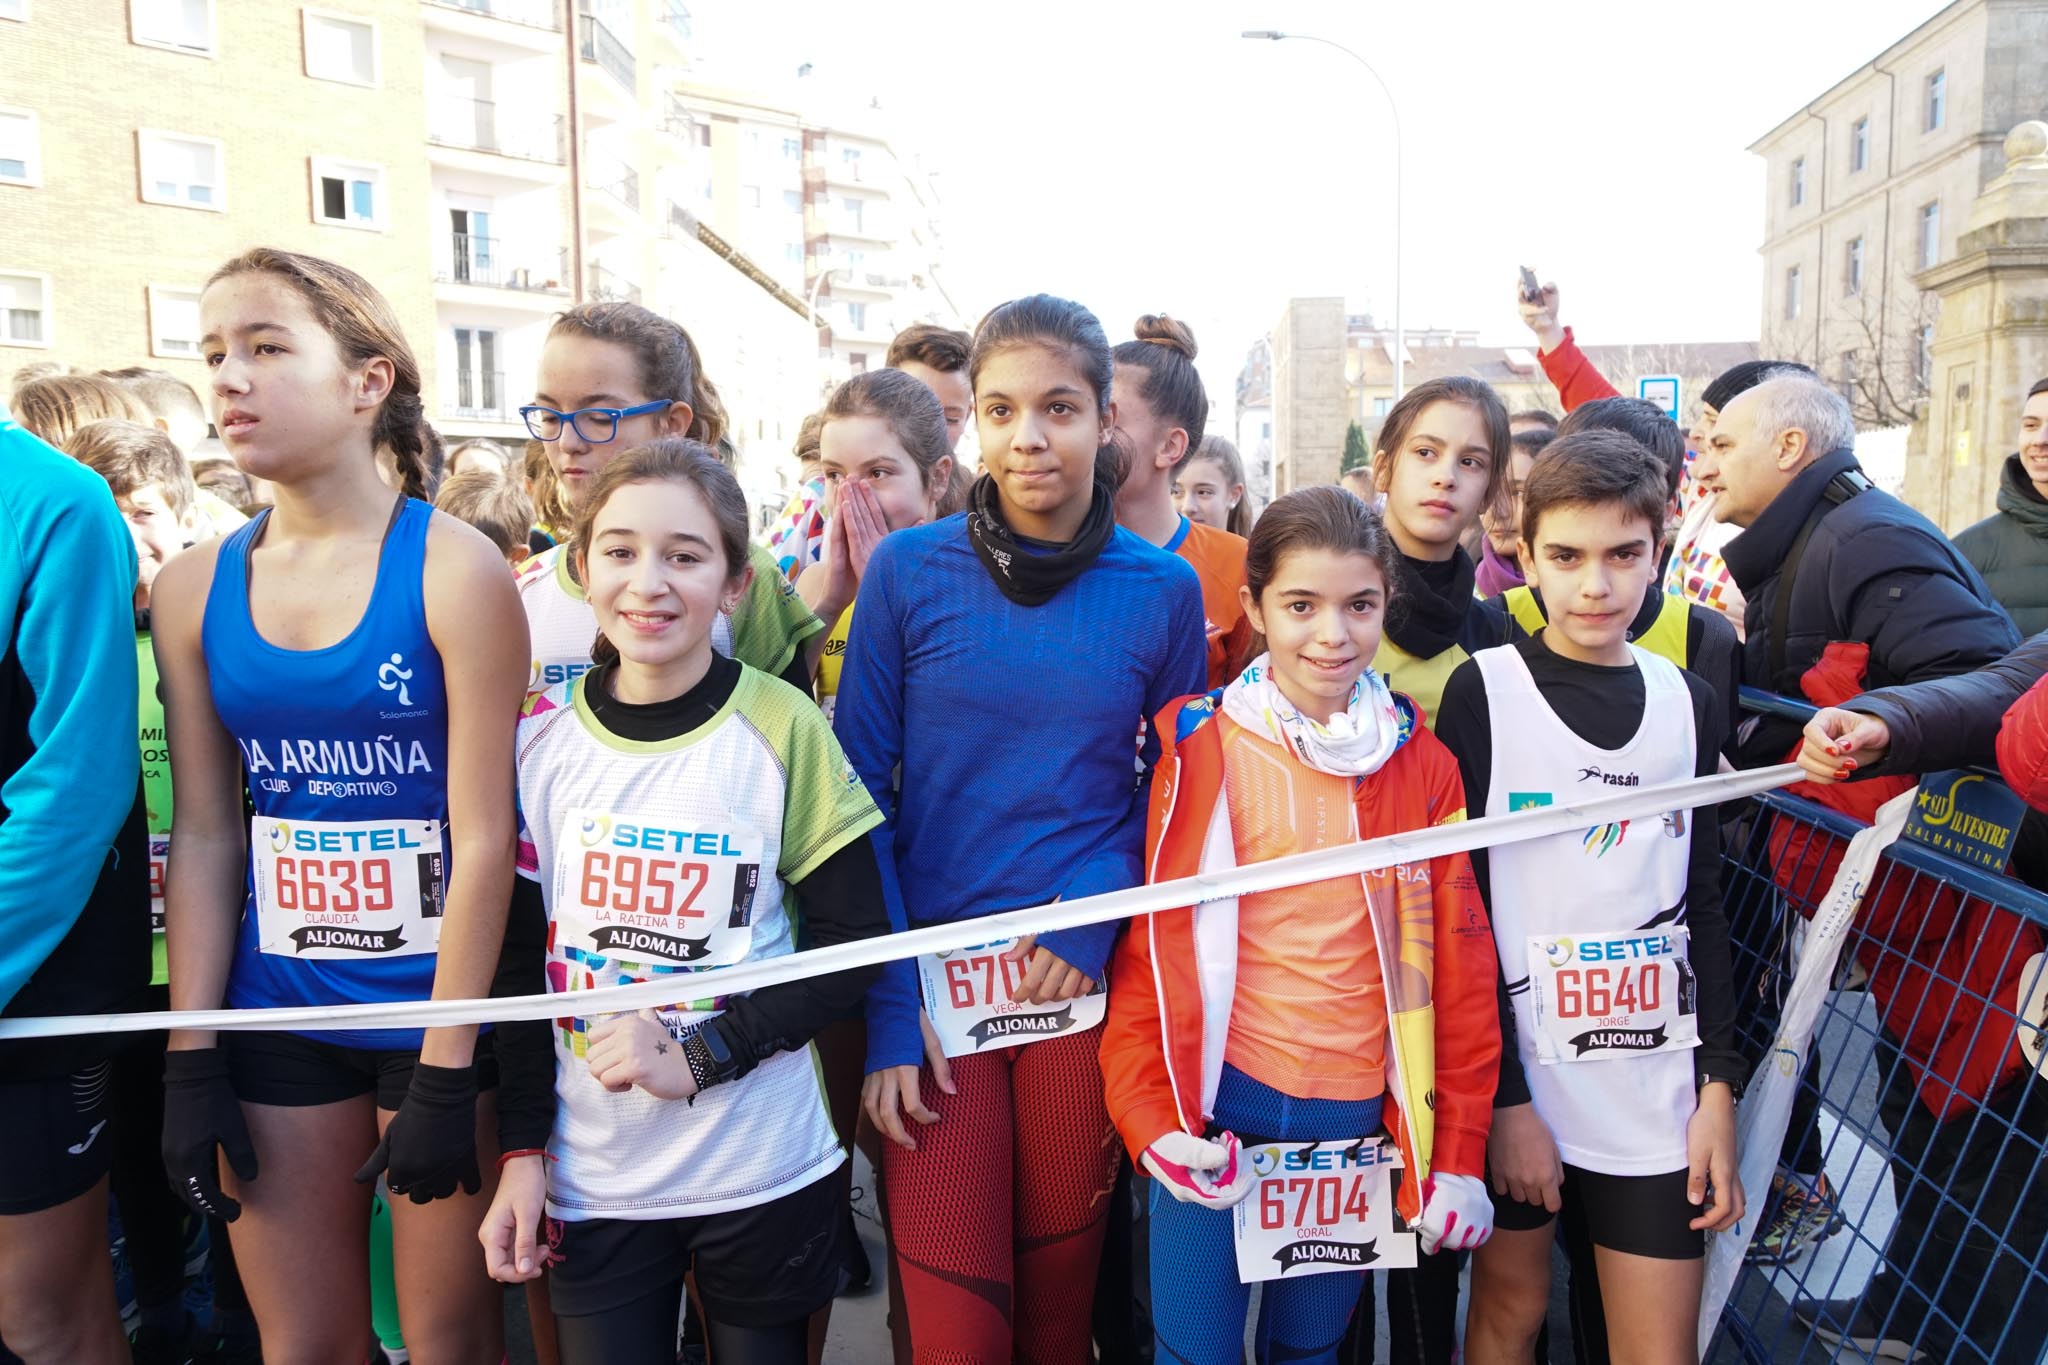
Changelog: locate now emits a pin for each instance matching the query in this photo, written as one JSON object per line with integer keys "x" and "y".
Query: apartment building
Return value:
{"x": 161, "y": 137}
{"x": 487, "y": 163}
{"x": 1870, "y": 183}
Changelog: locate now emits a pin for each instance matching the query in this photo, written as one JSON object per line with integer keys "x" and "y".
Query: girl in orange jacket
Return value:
{"x": 1287, "y": 1049}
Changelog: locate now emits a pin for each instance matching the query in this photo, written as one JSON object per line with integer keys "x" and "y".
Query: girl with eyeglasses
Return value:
{"x": 614, "y": 376}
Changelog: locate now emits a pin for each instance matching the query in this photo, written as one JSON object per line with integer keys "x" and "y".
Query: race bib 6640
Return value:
{"x": 1597, "y": 997}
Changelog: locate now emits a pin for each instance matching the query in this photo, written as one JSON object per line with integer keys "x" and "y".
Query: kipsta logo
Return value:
{"x": 596, "y": 831}
{"x": 1559, "y": 951}
{"x": 280, "y": 837}
{"x": 1265, "y": 1160}
{"x": 392, "y": 677}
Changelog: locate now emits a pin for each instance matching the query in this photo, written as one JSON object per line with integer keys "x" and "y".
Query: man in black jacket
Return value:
{"x": 1849, "y": 589}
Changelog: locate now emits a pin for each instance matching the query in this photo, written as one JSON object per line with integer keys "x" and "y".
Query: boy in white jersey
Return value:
{"x": 1617, "y": 1097}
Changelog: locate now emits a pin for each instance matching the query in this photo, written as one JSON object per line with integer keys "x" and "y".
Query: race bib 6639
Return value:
{"x": 347, "y": 888}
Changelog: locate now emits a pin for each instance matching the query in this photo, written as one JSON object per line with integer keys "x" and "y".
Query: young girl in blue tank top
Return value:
{"x": 307, "y": 667}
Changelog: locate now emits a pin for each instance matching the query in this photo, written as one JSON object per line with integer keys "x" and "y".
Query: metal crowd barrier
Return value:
{"x": 1924, "y": 1099}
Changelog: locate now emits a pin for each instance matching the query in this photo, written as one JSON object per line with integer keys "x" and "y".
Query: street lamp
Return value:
{"x": 1400, "y": 337}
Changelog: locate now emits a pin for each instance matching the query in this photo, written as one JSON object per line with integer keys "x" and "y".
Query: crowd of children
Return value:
{"x": 375, "y": 766}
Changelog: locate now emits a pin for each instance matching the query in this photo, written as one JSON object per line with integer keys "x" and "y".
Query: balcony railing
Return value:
{"x": 677, "y": 17}
{"x": 599, "y": 44}
{"x": 479, "y": 260}
{"x": 607, "y": 286}
{"x": 480, "y": 125}
{"x": 618, "y": 180}
{"x": 532, "y": 13}
{"x": 481, "y": 394}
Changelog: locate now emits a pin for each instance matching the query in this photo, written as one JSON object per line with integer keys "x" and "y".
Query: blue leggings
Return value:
{"x": 1198, "y": 1305}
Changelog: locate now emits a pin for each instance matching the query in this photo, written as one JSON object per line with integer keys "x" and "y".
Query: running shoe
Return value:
{"x": 1797, "y": 1217}
{"x": 1856, "y": 1324}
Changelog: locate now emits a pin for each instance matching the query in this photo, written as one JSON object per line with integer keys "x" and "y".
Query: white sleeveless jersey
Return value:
{"x": 666, "y": 858}
{"x": 1616, "y": 1114}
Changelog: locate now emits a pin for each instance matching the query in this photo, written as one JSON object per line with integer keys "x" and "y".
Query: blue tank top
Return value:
{"x": 345, "y": 750}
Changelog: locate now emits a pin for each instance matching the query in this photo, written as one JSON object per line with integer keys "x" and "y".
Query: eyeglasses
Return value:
{"x": 595, "y": 425}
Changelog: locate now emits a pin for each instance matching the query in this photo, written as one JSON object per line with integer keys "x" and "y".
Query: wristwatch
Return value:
{"x": 1735, "y": 1084}
{"x": 710, "y": 1059}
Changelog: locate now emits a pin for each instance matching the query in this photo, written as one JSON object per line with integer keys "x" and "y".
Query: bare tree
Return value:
{"x": 1872, "y": 346}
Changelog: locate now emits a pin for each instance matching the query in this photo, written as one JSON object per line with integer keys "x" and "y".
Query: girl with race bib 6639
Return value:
{"x": 309, "y": 664}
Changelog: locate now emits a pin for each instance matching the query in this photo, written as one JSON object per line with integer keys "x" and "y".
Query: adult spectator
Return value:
{"x": 2010, "y": 547}
{"x": 1959, "y": 722}
{"x": 74, "y": 889}
{"x": 1848, "y": 589}
{"x": 482, "y": 456}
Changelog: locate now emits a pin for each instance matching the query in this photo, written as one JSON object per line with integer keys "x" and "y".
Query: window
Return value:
{"x": 479, "y": 383}
{"x": 339, "y": 48}
{"x": 182, "y": 25}
{"x": 1937, "y": 100}
{"x": 348, "y": 194}
{"x": 174, "y": 321}
{"x": 850, "y": 155}
{"x": 187, "y": 171}
{"x": 853, "y": 212}
{"x": 857, "y": 362}
{"x": 1382, "y": 406}
{"x": 24, "y": 309}
{"x": 853, "y": 259}
{"x": 753, "y": 144}
{"x": 857, "y": 316}
{"x": 21, "y": 157}
{"x": 793, "y": 199}
{"x": 1850, "y": 367}
{"x": 1792, "y": 300}
{"x": 702, "y": 132}
{"x": 1930, "y": 234}
{"x": 1852, "y": 268}
{"x": 1859, "y": 145}
{"x": 1798, "y": 181}
{"x": 14, "y": 9}
{"x": 1923, "y": 361}
{"x": 792, "y": 149}
{"x": 793, "y": 252}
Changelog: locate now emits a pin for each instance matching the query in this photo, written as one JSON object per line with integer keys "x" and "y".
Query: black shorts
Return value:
{"x": 1642, "y": 1215}
{"x": 54, "y": 1143}
{"x": 765, "y": 1266}
{"x": 293, "y": 1070}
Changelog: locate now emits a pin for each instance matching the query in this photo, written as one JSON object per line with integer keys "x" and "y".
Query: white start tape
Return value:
{"x": 1346, "y": 860}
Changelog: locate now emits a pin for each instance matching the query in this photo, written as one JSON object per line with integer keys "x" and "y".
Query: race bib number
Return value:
{"x": 650, "y": 894}
{"x": 1319, "y": 1207}
{"x": 1597, "y": 997}
{"x": 348, "y": 888}
{"x": 159, "y": 859}
{"x": 967, "y": 996}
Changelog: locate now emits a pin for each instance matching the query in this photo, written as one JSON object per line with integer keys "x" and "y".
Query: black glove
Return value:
{"x": 430, "y": 1144}
{"x": 202, "y": 1122}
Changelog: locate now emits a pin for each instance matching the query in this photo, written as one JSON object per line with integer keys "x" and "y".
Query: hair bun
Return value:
{"x": 1161, "y": 330}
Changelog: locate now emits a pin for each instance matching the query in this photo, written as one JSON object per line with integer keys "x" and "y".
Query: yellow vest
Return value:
{"x": 1422, "y": 679}
{"x": 1665, "y": 638}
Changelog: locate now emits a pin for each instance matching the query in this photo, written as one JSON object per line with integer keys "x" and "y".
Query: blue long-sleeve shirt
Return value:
{"x": 70, "y": 771}
{"x": 1014, "y": 730}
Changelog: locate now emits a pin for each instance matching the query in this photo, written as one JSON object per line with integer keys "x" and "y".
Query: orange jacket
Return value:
{"x": 1162, "y": 1044}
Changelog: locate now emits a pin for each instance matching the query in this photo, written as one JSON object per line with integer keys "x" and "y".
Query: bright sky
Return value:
{"x": 1138, "y": 155}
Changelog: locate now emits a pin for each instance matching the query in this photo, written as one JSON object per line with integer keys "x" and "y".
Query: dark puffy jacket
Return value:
{"x": 2010, "y": 548}
{"x": 1955, "y": 722}
{"x": 1879, "y": 597}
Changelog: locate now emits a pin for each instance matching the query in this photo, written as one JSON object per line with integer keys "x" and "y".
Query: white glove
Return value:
{"x": 1197, "y": 1171}
{"x": 1457, "y": 1214}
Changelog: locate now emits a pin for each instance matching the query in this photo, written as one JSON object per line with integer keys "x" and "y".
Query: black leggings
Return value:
{"x": 643, "y": 1332}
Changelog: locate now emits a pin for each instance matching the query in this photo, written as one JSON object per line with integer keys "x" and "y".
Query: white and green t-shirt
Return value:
{"x": 672, "y": 857}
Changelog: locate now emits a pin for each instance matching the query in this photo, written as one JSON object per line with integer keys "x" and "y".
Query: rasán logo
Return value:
{"x": 1593, "y": 773}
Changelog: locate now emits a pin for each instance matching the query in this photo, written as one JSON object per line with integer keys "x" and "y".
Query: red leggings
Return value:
{"x": 996, "y": 1220}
